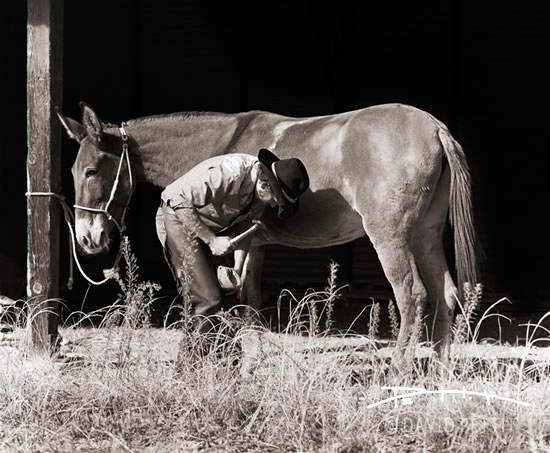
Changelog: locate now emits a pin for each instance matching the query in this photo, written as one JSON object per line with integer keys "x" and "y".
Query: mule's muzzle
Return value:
{"x": 94, "y": 244}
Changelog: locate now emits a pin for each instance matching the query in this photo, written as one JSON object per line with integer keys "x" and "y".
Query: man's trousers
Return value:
{"x": 192, "y": 265}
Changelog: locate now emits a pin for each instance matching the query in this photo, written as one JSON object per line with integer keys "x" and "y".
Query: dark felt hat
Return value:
{"x": 288, "y": 175}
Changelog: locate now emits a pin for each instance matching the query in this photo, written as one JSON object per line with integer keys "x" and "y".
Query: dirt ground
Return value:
{"x": 105, "y": 344}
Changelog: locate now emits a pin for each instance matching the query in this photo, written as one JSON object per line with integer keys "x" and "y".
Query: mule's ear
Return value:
{"x": 91, "y": 122}
{"x": 74, "y": 129}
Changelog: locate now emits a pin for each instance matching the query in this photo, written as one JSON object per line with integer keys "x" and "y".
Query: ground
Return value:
{"x": 121, "y": 389}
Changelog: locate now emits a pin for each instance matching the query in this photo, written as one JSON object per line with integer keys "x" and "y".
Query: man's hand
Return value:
{"x": 221, "y": 245}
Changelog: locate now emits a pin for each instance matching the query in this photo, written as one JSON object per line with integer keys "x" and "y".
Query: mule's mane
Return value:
{"x": 177, "y": 116}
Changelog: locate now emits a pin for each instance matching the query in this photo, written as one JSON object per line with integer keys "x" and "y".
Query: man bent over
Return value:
{"x": 204, "y": 208}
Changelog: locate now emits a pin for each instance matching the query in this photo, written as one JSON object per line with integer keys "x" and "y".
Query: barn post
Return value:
{"x": 44, "y": 92}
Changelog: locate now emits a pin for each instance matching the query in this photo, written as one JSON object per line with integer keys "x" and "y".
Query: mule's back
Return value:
{"x": 373, "y": 163}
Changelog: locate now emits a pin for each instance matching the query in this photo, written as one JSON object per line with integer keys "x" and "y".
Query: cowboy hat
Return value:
{"x": 288, "y": 177}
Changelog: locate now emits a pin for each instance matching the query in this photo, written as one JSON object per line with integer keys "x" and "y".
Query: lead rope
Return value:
{"x": 69, "y": 218}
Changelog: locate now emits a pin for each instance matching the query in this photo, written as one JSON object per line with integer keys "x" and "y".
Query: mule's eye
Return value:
{"x": 91, "y": 172}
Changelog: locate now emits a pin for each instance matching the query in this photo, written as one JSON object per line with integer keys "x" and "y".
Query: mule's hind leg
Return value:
{"x": 433, "y": 266}
{"x": 440, "y": 285}
{"x": 399, "y": 263}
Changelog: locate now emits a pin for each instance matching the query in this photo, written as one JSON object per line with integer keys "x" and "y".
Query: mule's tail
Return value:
{"x": 460, "y": 210}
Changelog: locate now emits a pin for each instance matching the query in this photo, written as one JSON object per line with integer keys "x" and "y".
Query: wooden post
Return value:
{"x": 44, "y": 91}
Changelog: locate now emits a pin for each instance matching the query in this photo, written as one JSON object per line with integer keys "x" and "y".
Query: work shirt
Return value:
{"x": 221, "y": 189}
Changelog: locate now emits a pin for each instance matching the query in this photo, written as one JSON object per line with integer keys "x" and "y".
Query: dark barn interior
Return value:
{"x": 480, "y": 67}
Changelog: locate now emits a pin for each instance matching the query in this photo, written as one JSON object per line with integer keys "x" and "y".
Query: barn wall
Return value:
{"x": 478, "y": 66}
{"x": 501, "y": 94}
{"x": 13, "y": 138}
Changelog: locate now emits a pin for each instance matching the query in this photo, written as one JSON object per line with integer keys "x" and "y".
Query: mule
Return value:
{"x": 391, "y": 171}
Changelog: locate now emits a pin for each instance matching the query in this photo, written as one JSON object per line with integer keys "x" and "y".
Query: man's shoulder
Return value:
{"x": 238, "y": 161}
{"x": 231, "y": 160}
{"x": 228, "y": 164}
{"x": 237, "y": 157}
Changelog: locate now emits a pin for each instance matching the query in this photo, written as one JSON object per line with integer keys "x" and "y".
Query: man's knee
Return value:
{"x": 207, "y": 304}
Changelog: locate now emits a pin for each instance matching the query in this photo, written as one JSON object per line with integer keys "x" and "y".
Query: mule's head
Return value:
{"x": 95, "y": 171}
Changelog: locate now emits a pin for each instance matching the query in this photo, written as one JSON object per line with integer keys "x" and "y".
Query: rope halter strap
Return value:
{"x": 125, "y": 156}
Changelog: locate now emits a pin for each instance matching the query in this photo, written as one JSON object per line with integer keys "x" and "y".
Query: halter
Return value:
{"x": 124, "y": 156}
{"x": 69, "y": 218}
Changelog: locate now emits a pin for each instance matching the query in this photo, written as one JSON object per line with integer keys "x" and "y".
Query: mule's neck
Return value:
{"x": 163, "y": 148}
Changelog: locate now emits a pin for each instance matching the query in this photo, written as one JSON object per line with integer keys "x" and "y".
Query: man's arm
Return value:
{"x": 219, "y": 245}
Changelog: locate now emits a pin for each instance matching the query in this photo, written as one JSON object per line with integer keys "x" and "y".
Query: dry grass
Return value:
{"x": 122, "y": 388}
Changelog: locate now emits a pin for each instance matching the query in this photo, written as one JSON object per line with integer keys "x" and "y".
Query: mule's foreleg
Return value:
{"x": 252, "y": 277}
{"x": 251, "y": 296}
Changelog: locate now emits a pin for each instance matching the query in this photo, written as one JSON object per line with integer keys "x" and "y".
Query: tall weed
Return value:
{"x": 394, "y": 319}
{"x": 306, "y": 314}
{"x": 374, "y": 321}
{"x": 461, "y": 329}
{"x": 134, "y": 303}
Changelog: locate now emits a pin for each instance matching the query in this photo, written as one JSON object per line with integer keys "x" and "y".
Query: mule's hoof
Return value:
{"x": 229, "y": 279}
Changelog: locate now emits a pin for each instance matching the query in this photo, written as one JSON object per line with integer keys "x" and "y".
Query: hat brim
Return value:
{"x": 267, "y": 158}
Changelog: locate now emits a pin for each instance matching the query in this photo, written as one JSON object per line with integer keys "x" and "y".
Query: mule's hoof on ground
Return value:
{"x": 229, "y": 279}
